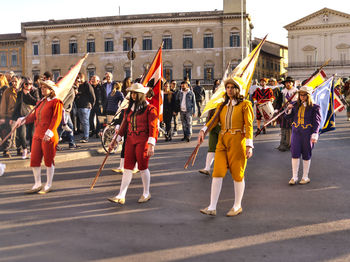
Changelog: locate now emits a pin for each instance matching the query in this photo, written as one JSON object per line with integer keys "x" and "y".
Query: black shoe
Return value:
{"x": 264, "y": 130}
{"x": 6, "y": 154}
{"x": 183, "y": 139}
{"x": 188, "y": 139}
{"x": 73, "y": 146}
{"x": 19, "y": 152}
{"x": 84, "y": 140}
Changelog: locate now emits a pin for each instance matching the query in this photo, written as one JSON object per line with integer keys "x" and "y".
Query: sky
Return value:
{"x": 268, "y": 16}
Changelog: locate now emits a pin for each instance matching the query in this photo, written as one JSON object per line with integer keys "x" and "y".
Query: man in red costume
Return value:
{"x": 140, "y": 123}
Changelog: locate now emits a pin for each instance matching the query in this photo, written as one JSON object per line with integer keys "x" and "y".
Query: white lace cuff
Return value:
{"x": 117, "y": 127}
{"x": 151, "y": 140}
{"x": 204, "y": 128}
{"x": 249, "y": 142}
{"x": 119, "y": 138}
{"x": 49, "y": 133}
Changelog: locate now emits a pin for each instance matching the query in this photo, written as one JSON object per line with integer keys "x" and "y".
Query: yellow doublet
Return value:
{"x": 236, "y": 126}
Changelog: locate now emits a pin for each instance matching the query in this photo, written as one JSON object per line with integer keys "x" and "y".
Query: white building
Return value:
{"x": 314, "y": 39}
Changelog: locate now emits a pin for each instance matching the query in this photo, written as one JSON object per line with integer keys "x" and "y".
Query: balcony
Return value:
{"x": 335, "y": 63}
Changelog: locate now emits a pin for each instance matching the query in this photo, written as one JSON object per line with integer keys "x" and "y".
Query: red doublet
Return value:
{"x": 46, "y": 118}
{"x": 141, "y": 129}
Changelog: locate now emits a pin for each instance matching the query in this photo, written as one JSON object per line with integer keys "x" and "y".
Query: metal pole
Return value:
{"x": 131, "y": 68}
{"x": 242, "y": 43}
{"x": 316, "y": 59}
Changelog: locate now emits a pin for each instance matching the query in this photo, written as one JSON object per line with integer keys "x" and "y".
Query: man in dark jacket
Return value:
{"x": 100, "y": 105}
{"x": 199, "y": 92}
{"x": 85, "y": 100}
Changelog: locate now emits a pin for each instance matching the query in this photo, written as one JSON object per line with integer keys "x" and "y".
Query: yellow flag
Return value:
{"x": 317, "y": 79}
{"x": 242, "y": 75}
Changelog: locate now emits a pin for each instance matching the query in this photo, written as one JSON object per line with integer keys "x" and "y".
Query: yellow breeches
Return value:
{"x": 230, "y": 154}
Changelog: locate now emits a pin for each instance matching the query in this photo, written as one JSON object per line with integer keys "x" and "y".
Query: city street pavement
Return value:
{"x": 279, "y": 222}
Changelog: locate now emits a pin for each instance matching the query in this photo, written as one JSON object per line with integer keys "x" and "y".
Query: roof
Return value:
{"x": 6, "y": 37}
{"x": 125, "y": 19}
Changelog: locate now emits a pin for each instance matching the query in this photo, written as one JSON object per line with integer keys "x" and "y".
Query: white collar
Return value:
{"x": 234, "y": 102}
{"x": 49, "y": 99}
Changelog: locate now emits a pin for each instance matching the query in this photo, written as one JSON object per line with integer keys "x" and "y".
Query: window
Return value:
{"x": 343, "y": 58}
{"x": 187, "y": 41}
{"x": 109, "y": 68}
{"x": 147, "y": 43}
{"x": 3, "y": 59}
{"x": 55, "y": 46}
{"x": 14, "y": 61}
{"x": 208, "y": 73}
{"x": 35, "y": 72}
{"x": 309, "y": 60}
{"x": 90, "y": 46}
{"x": 168, "y": 73}
{"x": 91, "y": 70}
{"x": 235, "y": 40}
{"x": 56, "y": 74}
{"x": 109, "y": 45}
{"x": 126, "y": 44}
{"x": 127, "y": 72}
{"x": 168, "y": 43}
{"x": 188, "y": 72}
{"x": 73, "y": 47}
{"x": 208, "y": 40}
{"x": 35, "y": 48}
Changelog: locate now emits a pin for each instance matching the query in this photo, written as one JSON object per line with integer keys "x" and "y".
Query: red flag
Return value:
{"x": 338, "y": 104}
{"x": 155, "y": 72}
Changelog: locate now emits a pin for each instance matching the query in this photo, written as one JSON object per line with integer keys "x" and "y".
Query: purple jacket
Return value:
{"x": 305, "y": 119}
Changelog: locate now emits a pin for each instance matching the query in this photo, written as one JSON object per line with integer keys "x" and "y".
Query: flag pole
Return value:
{"x": 154, "y": 58}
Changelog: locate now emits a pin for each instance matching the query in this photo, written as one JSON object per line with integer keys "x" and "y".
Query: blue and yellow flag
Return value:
{"x": 324, "y": 97}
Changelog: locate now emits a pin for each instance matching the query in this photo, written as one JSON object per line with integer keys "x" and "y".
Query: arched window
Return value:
{"x": 310, "y": 53}
{"x": 188, "y": 70}
{"x": 73, "y": 45}
{"x": 187, "y": 42}
{"x": 55, "y": 46}
{"x": 109, "y": 68}
{"x": 208, "y": 71}
{"x": 168, "y": 71}
{"x": 91, "y": 70}
{"x": 90, "y": 44}
{"x": 235, "y": 38}
{"x": 208, "y": 39}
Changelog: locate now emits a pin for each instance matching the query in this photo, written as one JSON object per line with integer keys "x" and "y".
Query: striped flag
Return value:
{"x": 155, "y": 73}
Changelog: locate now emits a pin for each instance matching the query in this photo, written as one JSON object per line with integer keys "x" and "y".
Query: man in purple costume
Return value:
{"x": 305, "y": 126}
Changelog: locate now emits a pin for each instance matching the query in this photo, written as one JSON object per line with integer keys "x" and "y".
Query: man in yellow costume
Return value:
{"x": 235, "y": 144}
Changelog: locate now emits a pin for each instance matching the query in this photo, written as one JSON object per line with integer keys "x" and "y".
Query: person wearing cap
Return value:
{"x": 306, "y": 119}
{"x": 286, "y": 124}
{"x": 141, "y": 121}
{"x": 47, "y": 117}
{"x": 235, "y": 144}
{"x": 260, "y": 96}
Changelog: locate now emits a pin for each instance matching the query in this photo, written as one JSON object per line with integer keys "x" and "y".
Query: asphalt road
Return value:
{"x": 279, "y": 222}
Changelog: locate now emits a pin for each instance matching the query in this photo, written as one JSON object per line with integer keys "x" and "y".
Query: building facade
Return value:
{"x": 272, "y": 61}
{"x": 12, "y": 53}
{"x": 198, "y": 45}
{"x": 314, "y": 39}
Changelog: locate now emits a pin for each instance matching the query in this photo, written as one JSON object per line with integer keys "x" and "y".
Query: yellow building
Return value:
{"x": 273, "y": 60}
{"x": 12, "y": 53}
{"x": 199, "y": 45}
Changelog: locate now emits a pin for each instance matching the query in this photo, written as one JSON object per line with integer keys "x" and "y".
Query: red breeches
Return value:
{"x": 41, "y": 149}
{"x": 136, "y": 151}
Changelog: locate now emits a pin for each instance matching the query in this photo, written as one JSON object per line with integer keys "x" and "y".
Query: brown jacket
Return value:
{"x": 8, "y": 102}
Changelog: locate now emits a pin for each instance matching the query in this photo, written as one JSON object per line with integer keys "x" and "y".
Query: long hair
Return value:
{"x": 116, "y": 87}
{"x": 140, "y": 104}
{"x": 309, "y": 102}
{"x": 239, "y": 98}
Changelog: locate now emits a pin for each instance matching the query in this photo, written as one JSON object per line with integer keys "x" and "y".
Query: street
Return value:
{"x": 279, "y": 222}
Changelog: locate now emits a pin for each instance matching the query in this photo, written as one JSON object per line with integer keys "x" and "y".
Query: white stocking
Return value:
{"x": 37, "y": 176}
{"x": 216, "y": 185}
{"x": 49, "y": 174}
{"x": 146, "y": 179}
{"x": 126, "y": 179}
{"x": 121, "y": 164}
{"x": 209, "y": 160}
{"x": 306, "y": 168}
{"x": 239, "y": 191}
{"x": 295, "y": 168}
{"x": 136, "y": 166}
